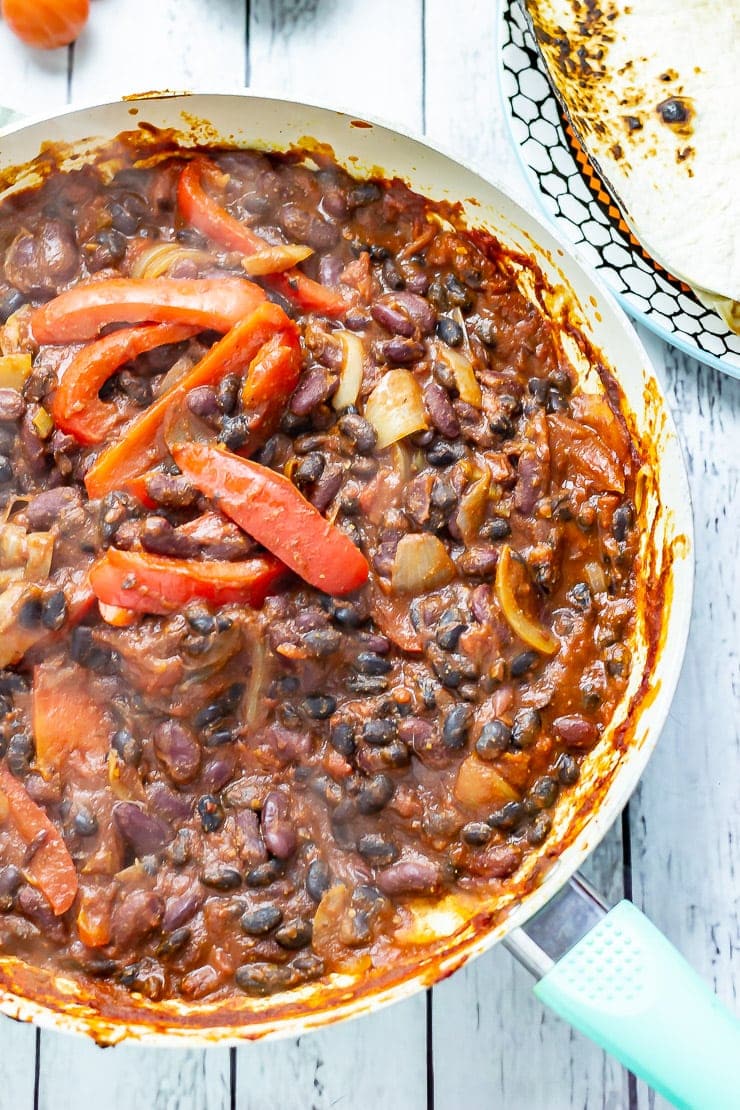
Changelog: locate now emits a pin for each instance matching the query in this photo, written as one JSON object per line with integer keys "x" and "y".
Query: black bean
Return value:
{"x": 476, "y": 833}
{"x": 211, "y": 813}
{"x": 538, "y": 388}
{"x": 622, "y": 520}
{"x": 54, "y": 611}
{"x": 375, "y": 794}
{"x": 567, "y": 769}
{"x": 556, "y": 402}
{"x": 10, "y": 301}
{"x": 342, "y": 738}
{"x": 261, "y": 979}
{"x": 349, "y": 616}
{"x": 294, "y": 934}
{"x": 443, "y": 452}
{"x": 523, "y": 662}
{"x": 319, "y": 706}
{"x": 366, "y": 684}
{"x": 493, "y": 740}
{"x": 227, "y": 393}
{"x": 538, "y": 831}
{"x": 449, "y": 331}
{"x": 376, "y": 849}
{"x": 234, "y": 432}
{"x": 11, "y": 880}
{"x": 368, "y": 662}
{"x": 265, "y": 873}
{"x": 508, "y": 817}
{"x": 496, "y": 529}
{"x": 580, "y": 596}
{"x": 359, "y": 431}
{"x": 456, "y": 725}
{"x": 209, "y": 715}
{"x": 309, "y": 469}
{"x": 19, "y": 754}
{"x": 391, "y": 276}
{"x": 365, "y": 193}
{"x": 544, "y": 792}
{"x": 322, "y": 642}
{"x": 449, "y": 635}
{"x": 378, "y": 732}
{"x": 318, "y": 880}
{"x": 6, "y": 470}
{"x": 219, "y": 737}
{"x": 443, "y": 494}
{"x": 106, "y": 248}
{"x": 260, "y": 922}
{"x": 526, "y": 728}
{"x": 175, "y": 942}
{"x": 30, "y": 612}
{"x": 219, "y": 877}
{"x": 127, "y": 746}
{"x": 457, "y": 295}
{"x": 85, "y": 823}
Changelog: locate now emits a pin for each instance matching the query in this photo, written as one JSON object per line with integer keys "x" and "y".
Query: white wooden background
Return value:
{"x": 480, "y": 1040}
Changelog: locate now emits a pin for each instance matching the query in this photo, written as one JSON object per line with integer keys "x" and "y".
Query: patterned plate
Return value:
{"x": 574, "y": 198}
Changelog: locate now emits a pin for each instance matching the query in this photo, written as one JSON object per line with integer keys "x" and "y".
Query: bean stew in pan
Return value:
{"x": 317, "y": 569}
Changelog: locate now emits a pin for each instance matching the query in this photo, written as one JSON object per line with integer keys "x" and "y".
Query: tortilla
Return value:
{"x": 652, "y": 89}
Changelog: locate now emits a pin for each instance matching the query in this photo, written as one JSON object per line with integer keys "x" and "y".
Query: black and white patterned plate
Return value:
{"x": 573, "y": 197}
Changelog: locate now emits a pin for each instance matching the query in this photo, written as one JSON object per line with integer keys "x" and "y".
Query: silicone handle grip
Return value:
{"x": 627, "y": 988}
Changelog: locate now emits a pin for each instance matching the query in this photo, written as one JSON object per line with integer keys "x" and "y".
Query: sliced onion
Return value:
{"x": 421, "y": 563}
{"x": 14, "y": 369}
{"x": 40, "y": 552}
{"x": 273, "y": 260}
{"x": 514, "y": 592}
{"x": 395, "y": 408}
{"x": 463, "y": 373}
{"x": 13, "y": 546}
{"x": 596, "y": 578}
{"x": 116, "y": 616}
{"x": 156, "y": 260}
{"x": 472, "y": 511}
{"x": 351, "y": 371}
{"x": 480, "y": 784}
{"x": 14, "y": 639}
{"x": 254, "y": 704}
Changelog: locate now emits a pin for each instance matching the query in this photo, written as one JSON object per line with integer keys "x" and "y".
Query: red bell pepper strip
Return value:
{"x": 142, "y": 445}
{"x": 80, "y": 312}
{"x": 66, "y": 717}
{"x": 204, "y": 213}
{"x": 77, "y": 409}
{"x": 51, "y": 867}
{"x": 270, "y": 508}
{"x": 272, "y": 377}
{"x": 147, "y": 583}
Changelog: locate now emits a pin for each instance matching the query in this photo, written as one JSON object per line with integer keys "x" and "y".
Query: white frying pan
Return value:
{"x": 612, "y": 975}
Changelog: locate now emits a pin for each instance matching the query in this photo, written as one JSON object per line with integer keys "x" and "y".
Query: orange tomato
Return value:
{"x": 46, "y": 23}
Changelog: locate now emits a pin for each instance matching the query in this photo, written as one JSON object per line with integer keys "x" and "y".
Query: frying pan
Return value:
{"x": 611, "y": 974}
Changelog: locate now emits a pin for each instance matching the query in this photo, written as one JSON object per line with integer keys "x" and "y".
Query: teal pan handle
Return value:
{"x": 626, "y": 987}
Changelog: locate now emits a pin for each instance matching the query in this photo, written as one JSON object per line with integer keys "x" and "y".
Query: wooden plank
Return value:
{"x": 76, "y": 1073}
{"x": 375, "y": 1061}
{"x": 304, "y": 50}
{"x": 136, "y": 45}
{"x": 17, "y": 1064}
{"x": 685, "y": 817}
{"x": 366, "y": 58}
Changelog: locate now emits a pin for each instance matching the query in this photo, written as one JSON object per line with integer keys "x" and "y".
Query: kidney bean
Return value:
{"x": 203, "y": 401}
{"x": 200, "y": 982}
{"x": 315, "y": 387}
{"x": 327, "y": 487}
{"x": 330, "y": 269}
{"x": 400, "y": 351}
{"x": 42, "y": 259}
{"x": 390, "y": 318}
{"x": 440, "y": 409}
{"x": 178, "y": 751}
{"x": 136, "y": 915}
{"x": 12, "y": 405}
{"x": 575, "y": 731}
{"x": 217, "y": 772}
{"x": 171, "y": 490}
{"x": 412, "y": 875}
{"x": 47, "y": 507}
{"x": 143, "y": 832}
{"x": 278, "y": 831}
{"x": 159, "y": 537}
{"x": 179, "y": 909}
